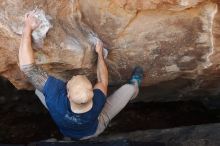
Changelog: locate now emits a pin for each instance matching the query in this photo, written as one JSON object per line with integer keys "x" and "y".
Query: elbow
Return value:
{"x": 21, "y": 67}
{"x": 105, "y": 82}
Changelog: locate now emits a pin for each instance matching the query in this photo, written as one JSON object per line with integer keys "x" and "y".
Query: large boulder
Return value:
{"x": 175, "y": 41}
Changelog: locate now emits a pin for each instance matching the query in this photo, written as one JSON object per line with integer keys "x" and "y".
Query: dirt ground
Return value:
{"x": 24, "y": 119}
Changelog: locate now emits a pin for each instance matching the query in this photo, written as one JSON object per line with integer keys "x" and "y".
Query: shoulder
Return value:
{"x": 52, "y": 79}
{"x": 99, "y": 100}
{"x": 53, "y": 85}
{"x": 98, "y": 92}
{"x": 101, "y": 87}
{"x": 99, "y": 95}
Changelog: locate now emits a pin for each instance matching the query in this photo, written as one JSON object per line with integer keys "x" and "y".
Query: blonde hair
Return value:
{"x": 79, "y": 89}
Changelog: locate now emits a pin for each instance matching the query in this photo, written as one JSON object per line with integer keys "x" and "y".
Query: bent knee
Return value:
{"x": 129, "y": 87}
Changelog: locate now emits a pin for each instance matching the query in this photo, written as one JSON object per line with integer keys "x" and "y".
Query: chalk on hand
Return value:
{"x": 40, "y": 33}
{"x": 105, "y": 52}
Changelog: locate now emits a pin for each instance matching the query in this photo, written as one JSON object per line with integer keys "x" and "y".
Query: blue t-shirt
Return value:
{"x": 71, "y": 124}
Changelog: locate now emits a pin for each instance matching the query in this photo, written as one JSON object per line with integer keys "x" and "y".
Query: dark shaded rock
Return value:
{"x": 201, "y": 135}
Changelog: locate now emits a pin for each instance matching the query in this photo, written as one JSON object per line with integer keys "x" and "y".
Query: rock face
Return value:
{"x": 175, "y": 41}
{"x": 199, "y": 135}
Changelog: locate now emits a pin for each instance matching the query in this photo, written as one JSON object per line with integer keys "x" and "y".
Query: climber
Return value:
{"x": 79, "y": 110}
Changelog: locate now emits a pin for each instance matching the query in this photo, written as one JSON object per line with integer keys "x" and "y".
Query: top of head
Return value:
{"x": 79, "y": 89}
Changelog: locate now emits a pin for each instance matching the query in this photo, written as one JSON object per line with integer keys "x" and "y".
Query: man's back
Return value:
{"x": 71, "y": 124}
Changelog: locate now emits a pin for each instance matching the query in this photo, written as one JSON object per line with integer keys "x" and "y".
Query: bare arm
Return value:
{"x": 26, "y": 54}
{"x": 34, "y": 73}
{"x": 102, "y": 71}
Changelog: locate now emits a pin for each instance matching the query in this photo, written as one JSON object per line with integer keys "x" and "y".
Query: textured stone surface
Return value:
{"x": 175, "y": 41}
{"x": 200, "y": 135}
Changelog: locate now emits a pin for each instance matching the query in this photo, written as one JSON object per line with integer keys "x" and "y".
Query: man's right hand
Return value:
{"x": 31, "y": 22}
{"x": 99, "y": 48}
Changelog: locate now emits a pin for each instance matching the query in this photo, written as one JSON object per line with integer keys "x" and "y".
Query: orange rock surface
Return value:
{"x": 177, "y": 42}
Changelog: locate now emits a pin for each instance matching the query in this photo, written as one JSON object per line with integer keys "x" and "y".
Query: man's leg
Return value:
{"x": 119, "y": 99}
{"x": 114, "y": 104}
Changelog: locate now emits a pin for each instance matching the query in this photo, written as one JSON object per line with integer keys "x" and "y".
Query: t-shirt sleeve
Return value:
{"x": 53, "y": 87}
{"x": 100, "y": 98}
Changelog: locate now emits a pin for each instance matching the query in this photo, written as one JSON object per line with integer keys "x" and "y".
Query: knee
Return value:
{"x": 130, "y": 87}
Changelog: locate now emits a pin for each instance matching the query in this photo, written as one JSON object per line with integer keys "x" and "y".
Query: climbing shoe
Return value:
{"x": 137, "y": 76}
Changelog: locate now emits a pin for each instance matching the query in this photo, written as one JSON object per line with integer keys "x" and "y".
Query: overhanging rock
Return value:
{"x": 175, "y": 41}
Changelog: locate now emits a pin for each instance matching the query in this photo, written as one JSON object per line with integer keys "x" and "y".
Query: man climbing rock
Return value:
{"x": 79, "y": 110}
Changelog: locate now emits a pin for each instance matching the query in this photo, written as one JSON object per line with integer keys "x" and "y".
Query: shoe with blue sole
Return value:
{"x": 137, "y": 76}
